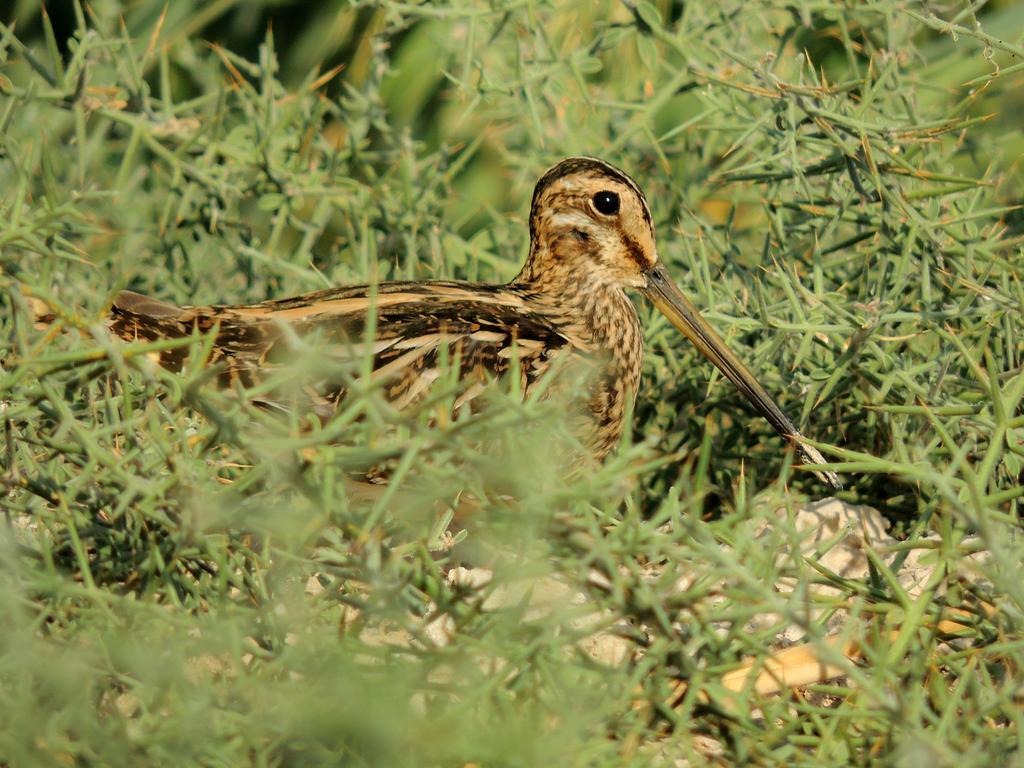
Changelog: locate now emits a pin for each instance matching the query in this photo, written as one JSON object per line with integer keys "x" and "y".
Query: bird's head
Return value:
{"x": 590, "y": 219}
{"x": 590, "y": 225}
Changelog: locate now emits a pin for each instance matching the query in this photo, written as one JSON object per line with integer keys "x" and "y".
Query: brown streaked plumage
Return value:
{"x": 591, "y": 240}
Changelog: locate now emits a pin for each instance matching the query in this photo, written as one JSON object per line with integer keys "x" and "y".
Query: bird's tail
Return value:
{"x": 136, "y": 317}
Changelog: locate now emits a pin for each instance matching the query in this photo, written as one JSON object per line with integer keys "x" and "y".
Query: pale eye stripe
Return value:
{"x": 573, "y": 219}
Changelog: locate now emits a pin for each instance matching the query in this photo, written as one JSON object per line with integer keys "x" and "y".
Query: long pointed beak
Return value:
{"x": 684, "y": 315}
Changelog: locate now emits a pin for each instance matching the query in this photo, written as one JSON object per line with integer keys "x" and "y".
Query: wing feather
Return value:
{"x": 487, "y": 329}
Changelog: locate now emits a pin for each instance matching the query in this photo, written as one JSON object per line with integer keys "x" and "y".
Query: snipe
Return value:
{"x": 591, "y": 240}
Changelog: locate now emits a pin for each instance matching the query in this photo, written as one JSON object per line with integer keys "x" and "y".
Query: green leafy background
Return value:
{"x": 187, "y": 580}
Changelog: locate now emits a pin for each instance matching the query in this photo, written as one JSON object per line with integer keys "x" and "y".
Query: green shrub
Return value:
{"x": 186, "y": 580}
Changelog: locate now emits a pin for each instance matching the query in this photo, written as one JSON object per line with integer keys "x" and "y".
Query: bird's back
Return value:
{"x": 406, "y": 329}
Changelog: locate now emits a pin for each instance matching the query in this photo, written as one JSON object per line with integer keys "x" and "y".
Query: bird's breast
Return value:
{"x": 603, "y": 326}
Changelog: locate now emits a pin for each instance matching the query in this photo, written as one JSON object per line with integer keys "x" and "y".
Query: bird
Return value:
{"x": 592, "y": 243}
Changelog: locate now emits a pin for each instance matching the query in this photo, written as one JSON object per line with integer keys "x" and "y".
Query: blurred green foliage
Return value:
{"x": 185, "y": 579}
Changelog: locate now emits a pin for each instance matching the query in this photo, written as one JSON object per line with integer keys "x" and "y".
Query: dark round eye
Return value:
{"x": 607, "y": 203}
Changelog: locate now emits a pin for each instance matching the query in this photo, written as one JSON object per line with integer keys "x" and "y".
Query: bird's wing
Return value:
{"x": 486, "y": 330}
